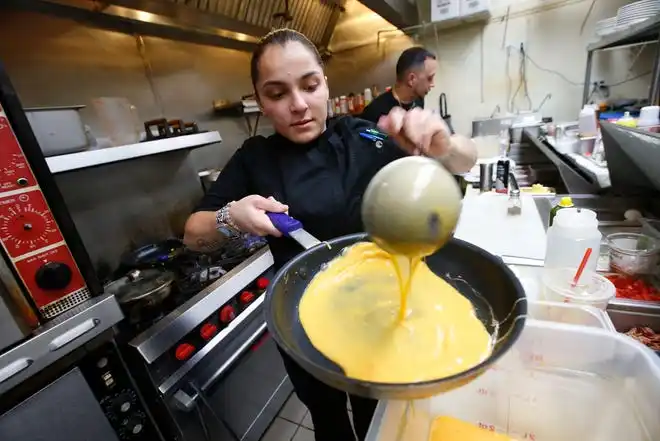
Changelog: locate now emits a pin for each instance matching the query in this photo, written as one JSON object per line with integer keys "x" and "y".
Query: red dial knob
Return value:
{"x": 184, "y": 351}
{"x": 227, "y": 314}
{"x": 246, "y": 297}
{"x": 262, "y": 283}
{"x": 207, "y": 331}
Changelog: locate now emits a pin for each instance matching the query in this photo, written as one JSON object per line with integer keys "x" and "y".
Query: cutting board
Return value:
{"x": 484, "y": 221}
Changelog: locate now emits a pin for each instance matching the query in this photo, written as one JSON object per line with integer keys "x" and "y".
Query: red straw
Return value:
{"x": 580, "y": 269}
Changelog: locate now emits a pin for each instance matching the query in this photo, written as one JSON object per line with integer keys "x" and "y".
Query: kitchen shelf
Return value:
{"x": 93, "y": 158}
{"x": 647, "y": 31}
{"x": 644, "y": 32}
{"x": 244, "y": 108}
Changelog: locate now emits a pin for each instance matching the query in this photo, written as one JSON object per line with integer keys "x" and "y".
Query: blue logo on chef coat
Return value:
{"x": 374, "y": 135}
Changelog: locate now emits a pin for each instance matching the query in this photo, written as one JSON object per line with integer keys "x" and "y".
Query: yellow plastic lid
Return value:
{"x": 566, "y": 202}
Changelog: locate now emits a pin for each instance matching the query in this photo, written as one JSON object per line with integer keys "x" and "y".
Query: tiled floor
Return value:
{"x": 293, "y": 423}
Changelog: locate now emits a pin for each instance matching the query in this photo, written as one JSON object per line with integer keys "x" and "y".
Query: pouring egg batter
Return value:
{"x": 390, "y": 320}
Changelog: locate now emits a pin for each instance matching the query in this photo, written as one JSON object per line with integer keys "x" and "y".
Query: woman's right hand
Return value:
{"x": 249, "y": 215}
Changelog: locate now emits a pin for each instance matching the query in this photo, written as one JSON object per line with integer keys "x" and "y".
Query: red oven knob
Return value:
{"x": 184, "y": 351}
{"x": 207, "y": 331}
{"x": 262, "y": 283}
{"x": 246, "y": 297}
{"x": 227, "y": 314}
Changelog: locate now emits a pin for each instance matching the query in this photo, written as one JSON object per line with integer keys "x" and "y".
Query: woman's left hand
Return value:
{"x": 417, "y": 131}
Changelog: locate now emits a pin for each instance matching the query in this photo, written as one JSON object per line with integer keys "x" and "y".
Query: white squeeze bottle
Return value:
{"x": 587, "y": 124}
{"x": 572, "y": 232}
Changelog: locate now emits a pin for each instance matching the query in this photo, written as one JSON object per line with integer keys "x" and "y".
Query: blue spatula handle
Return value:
{"x": 284, "y": 223}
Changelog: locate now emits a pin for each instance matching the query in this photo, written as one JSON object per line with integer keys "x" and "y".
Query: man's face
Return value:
{"x": 423, "y": 79}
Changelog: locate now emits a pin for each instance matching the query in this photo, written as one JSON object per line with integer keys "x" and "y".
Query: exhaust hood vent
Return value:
{"x": 314, "y": 18}
{"x": 230, "y": 23}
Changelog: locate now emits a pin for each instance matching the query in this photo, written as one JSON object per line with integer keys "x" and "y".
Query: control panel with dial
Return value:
{"x": 30, "y": 235}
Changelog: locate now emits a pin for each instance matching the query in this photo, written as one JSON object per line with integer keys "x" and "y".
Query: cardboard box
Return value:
{"x": 473, "y": 7}
{"x": 442, "y": 10}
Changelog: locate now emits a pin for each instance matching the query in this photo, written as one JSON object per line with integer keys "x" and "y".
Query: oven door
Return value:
{"x": 64, "y": 410}
{"x": 236, "y": 391}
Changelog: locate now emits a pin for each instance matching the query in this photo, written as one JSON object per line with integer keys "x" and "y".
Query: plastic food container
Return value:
{"x": 632, "y": 253}
{"x": 570, "y": 313}
{"x": 59, "y": 130}
{"x": 558, "y": 383}
{"x": 592, "y": 289}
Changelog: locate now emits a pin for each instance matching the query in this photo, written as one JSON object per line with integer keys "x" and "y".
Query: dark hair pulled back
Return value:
{"x": 280, "y": 37}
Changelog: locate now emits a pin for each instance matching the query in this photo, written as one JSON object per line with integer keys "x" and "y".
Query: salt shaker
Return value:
{"x": 515, "y": 204}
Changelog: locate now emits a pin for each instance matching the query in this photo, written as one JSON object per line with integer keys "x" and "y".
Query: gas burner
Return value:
{"x": 193, "y": 272}
{"x": 163, "y": 128}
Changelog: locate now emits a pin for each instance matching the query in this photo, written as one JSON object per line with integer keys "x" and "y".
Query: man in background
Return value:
{"x": 415, "y": 74}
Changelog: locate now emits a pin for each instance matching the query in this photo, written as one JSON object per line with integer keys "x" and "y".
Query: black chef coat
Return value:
{"x": 384, "y": 103}
{"x": 322, "y": 182}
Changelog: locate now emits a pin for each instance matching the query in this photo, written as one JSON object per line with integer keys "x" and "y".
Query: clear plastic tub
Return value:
{"x": 570, "y": 313}
{"x": 632, "y": 253}
{"x": 558, "y": 383}
{"x": 592, "y": 289}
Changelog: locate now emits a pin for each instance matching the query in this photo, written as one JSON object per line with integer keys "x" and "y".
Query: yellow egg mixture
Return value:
{"x": 381, "y": 322}
{"x": 446, "y": 428}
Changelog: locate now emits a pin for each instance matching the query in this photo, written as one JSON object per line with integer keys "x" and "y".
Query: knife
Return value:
{"x": 293, "y": 228}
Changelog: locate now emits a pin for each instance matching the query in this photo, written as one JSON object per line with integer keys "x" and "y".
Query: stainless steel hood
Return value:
{"x": 236, "y": 24}
{"x": 401, "y": 13}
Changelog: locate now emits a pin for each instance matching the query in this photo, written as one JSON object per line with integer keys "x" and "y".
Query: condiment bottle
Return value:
{"x": 565, "y": 202}
{"x": 368, "y": 97}
{"x": 573, "y": 231}
{"x": 351, "y": 103}
{"x": 502, "y": 176}
{"x": 587, "y": 124}
{"x": 627, "y": 120}
{"x": 343, "y": 105}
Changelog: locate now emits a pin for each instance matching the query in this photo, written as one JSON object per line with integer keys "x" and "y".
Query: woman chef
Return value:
{"x": 317, "y": 170}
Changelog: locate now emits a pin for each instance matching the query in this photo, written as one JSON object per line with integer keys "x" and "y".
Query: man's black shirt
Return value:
{"x": 385, "y": 102}
{"x": 322, "y": 182}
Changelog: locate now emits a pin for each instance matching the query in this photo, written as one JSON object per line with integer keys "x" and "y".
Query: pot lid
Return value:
{"x": 139, "y": 284}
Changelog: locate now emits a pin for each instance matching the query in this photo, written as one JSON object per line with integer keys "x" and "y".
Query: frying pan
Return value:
{"x": 484, "y": 279}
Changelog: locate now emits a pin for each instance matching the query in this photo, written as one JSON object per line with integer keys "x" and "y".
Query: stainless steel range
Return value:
{"x": 208, "y": 367}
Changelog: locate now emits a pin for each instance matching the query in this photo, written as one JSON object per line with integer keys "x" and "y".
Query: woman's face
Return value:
{"x": 292, "y": 91}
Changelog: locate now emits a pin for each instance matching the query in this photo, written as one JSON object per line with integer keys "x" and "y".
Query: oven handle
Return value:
{"x": 186, "y": 402}
{"x": 72, "y": 334}
{"x": 14, "y": 368}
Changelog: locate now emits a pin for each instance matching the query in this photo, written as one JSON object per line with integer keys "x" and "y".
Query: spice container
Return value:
{"x": 632, "y": 253}
{"x": 515, "y": 204}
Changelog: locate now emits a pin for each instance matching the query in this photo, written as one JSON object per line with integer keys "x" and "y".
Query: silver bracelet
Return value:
{"x": 223, "y": 221}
